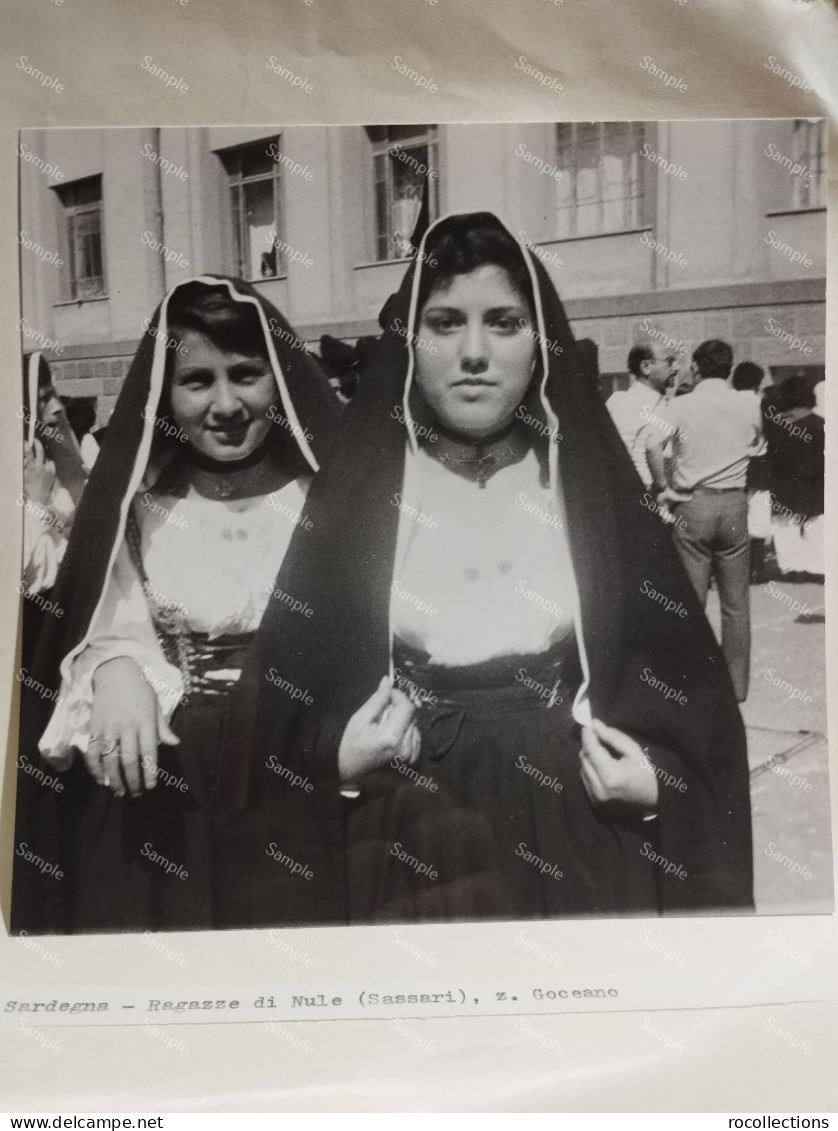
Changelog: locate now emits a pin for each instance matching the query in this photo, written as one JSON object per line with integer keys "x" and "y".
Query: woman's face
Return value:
{"x": 221, "y": 400}
{"x": 477, "y": 358}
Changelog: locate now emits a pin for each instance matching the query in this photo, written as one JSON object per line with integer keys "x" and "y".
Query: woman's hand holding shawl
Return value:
{"x": 126, "y": 725}
{"x": 379, "y": 731}
{"x": 615, "y": 771}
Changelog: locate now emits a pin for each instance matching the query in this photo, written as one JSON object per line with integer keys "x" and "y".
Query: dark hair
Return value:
{"x": 230, "y": 325}
{"x": 461, "y": 244}
{"x": 797, "y": 392}
{"x": 747, "y": 375}
{"x": 81, "y": 414}
{"x": 637, "y": 355}
{"x": 714, "y": 359}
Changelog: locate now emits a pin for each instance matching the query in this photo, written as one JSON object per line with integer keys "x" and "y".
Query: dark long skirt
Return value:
{"x": 493, "y": 822}
{"x": 146, "y": 863}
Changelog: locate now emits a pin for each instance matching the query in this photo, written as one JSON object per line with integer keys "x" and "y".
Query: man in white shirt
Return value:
{"x": 635, "y": 411}
{"x": 715, "y": 431}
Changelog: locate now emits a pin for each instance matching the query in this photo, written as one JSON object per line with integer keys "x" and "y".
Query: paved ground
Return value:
{"x": 787, "y": 748}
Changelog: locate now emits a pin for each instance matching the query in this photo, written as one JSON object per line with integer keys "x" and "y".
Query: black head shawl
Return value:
{"x": 134, "y": 451}
{"x": 135, "y": 448}
{"x": 306, "y": 675}
{"x": 58, "y": 439}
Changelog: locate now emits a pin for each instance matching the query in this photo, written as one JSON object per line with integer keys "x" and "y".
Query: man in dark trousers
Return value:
{"x": 714, "y": 432}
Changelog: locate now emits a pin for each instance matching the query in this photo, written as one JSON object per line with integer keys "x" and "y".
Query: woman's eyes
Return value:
{"x": 504, "y": 323}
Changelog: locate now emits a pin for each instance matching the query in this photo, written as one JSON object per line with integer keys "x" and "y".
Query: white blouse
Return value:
{"x": 481, "y": 572}
{"x": 215, "y": 560}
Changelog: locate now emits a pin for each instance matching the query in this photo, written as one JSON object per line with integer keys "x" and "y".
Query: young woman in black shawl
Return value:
{"x": 189, "y": 511}
{"x": 513, "y": 704}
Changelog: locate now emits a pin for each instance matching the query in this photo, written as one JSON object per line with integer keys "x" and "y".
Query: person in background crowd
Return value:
{"x": 81, "y": 412}
{"x": 715, "y": 432}
{"x": 186, "y": 519}
{"x": 635, "y": 410}
{"x": 748, "y": 379}
{"x": 795, "y": 434}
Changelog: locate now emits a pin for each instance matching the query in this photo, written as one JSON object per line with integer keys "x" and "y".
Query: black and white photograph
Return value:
{"x": 422, "y": 524}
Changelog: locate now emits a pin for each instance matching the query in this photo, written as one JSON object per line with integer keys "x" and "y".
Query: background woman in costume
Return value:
{"x": 189, "y": 511}
{"x": 518, "y": 726}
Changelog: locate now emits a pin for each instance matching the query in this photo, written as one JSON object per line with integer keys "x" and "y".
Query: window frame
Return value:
{"x": 645, "y": 182}
{"x": 817, "y": 195}
{"x": 68, "y": 238}
{"x": 426, "y": 135}
{"x": 235, "y": 186}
